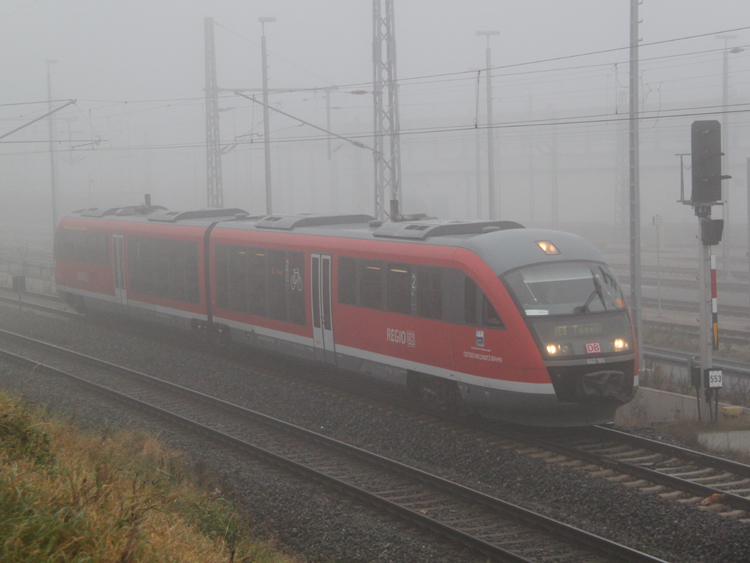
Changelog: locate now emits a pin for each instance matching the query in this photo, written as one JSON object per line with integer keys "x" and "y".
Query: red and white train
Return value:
{"x": 524, "y": 325}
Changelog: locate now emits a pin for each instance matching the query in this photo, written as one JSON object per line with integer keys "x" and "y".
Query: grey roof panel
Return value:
{"x": 289, "y": 222}
{"x": 507, "y": 250}
{"x": 422, "y": 230}
{"x": 167, "y": 216}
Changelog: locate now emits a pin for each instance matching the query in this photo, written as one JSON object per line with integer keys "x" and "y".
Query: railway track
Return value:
{"x": 673, "y": 472}
{"x": 649, "y": 476}
{"x": 38, "y": 302}
{"x": 466, "y": 517}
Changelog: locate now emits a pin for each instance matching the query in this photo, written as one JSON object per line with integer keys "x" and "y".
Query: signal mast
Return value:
{"x": 706, "y": 192}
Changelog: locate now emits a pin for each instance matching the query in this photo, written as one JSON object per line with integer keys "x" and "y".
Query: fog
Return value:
{"x": 560, "y": 78}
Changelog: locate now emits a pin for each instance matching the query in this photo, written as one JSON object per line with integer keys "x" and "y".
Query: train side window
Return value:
{"x": 476, "y": 303}
{"x": 192, "y": 276}
{"x": 163, "y": 260}
{"x": 470, "y": 301}
{"x": 139, "y": 265}
{"x": 347, "y": 281}
{"x": 371, "y": 285}
{"x": 257, "y": 282}
{"x": 175, "y": 270}
{"x": 429, "y": 295}
{"x": 296, "y": 288}
{"x": 237, "y": 278}
{"x": 399, "y": 288}
{"x": 99, "y": 249}
{"x": 164, "y": 268}
{"x": 96, "y": 248}
{"x": 221, "y": 281}
{"x": 82, "y": 246}
{"x": 277, "y": 282}
{"x": 490, "y": 318}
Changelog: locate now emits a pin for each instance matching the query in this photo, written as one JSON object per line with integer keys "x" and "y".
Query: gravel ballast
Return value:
{"x": 324, "y": 526}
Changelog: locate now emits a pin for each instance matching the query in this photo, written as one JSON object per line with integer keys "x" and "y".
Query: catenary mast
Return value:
{"x": 635, "y": 198}
{"x": 385, "y": 108}
{"x": 215, "y": 189}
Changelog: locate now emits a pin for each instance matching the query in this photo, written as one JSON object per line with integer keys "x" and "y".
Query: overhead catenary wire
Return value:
{"x": 414, "y": 82}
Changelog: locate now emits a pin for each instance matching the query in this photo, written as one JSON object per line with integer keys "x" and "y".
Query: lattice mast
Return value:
{"x": 215, "y": 189}
{"x": 387, "y": 153}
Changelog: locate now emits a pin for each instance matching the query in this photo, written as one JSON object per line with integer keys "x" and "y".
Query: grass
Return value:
{"x": 120, "y": 497}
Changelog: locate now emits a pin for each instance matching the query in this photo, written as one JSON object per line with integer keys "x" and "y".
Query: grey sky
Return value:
{"x": 146, "y": 52}
{"x": 148, "y": 49}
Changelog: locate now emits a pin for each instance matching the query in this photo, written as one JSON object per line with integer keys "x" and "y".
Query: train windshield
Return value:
{"x": 565, "y": 288}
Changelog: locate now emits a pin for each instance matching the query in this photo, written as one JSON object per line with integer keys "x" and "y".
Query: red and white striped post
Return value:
{"x": 714, "y": 303}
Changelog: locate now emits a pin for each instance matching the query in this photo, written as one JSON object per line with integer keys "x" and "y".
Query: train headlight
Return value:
{"x": 620, "y": 344}
{"x": 559, "y": 349}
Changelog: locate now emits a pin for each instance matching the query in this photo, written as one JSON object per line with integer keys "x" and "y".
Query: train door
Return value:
{"x": 118, "y": 263}
{"x": 320, "y": 274}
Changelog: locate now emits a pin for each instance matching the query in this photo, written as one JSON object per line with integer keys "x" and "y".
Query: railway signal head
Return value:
{"x": 706, "y": 151}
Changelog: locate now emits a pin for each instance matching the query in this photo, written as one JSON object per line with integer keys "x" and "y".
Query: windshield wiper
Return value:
{"x": 596, "y": 293}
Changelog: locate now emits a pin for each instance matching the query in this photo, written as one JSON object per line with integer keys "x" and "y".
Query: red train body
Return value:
{"x": 523, "y": 325}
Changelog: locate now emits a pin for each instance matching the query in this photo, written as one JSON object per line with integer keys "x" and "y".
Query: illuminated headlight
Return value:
{"x": 547, "y": 247}
{"x": 620, "y": 344}
{"x": 559, "y": 349}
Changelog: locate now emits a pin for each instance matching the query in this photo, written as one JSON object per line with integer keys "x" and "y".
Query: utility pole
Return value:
{"x": 747, "y": 179}
{"x": 478, "y": 172}
{"x": 386, "y": 118}
{"x": 490, "y": 129}
{"x": 328, "y": 91}
{"x": 215, "y": 188}
{"x": 530, "y": 140}
{"x": 266, "y": 125}
{"x": 477, "y": 149}
{"x": 621, "y": 165}
{"x": 553, "y": 166}
{"x": 726, "y": 254}
{"x": 332, "y": 172}
{"x": 52, "y": 155}
{"x": 635, "y": 198}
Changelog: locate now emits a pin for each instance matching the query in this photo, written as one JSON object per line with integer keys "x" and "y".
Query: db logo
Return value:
{"x": 411, "y": 339}
{"x": 593, "y": 347}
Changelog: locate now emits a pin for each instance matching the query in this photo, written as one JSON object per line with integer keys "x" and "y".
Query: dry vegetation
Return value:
{"x": 69, "y": 496}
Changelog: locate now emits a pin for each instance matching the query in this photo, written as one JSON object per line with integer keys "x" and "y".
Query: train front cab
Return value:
{"x": 576, "y": 314}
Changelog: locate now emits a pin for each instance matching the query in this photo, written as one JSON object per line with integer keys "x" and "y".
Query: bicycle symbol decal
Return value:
{"x": 296, "y": 281}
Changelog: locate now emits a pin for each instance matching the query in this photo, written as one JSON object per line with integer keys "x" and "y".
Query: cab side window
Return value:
{"x": 478, "y": 309}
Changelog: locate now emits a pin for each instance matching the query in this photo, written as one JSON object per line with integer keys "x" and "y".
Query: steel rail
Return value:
{"x": 737, "y": 502}
{"x": 40, "y": 307}
{"x": 671, "y": 449}
{"x": 602, "y": 545}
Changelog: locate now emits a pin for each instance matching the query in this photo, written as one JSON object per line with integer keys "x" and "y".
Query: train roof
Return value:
{"x": 504, "y": 245}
